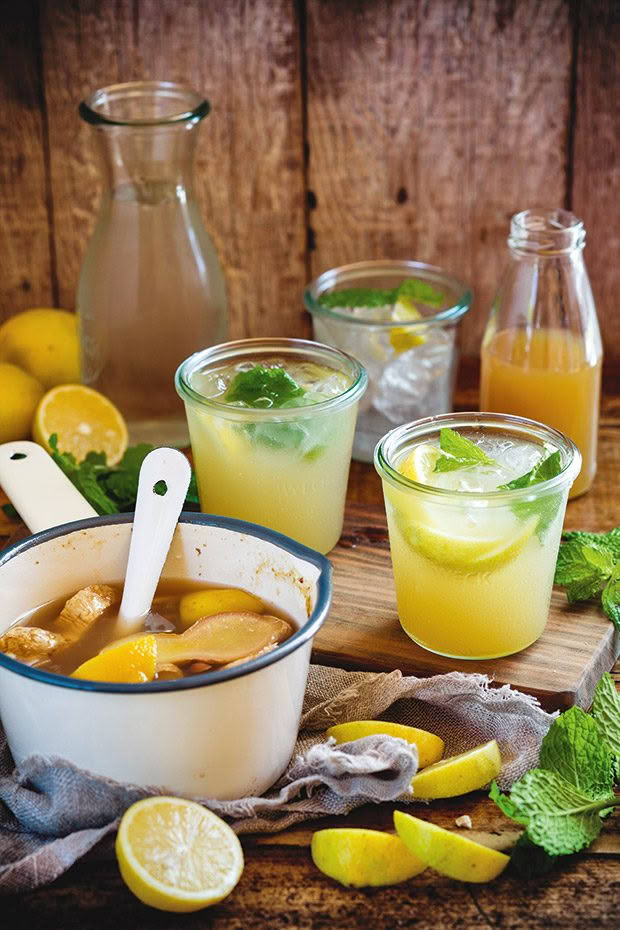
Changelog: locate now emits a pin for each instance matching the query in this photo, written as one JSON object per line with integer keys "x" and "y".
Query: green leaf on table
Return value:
{"x": 263, "y": 387}
{"x": 460, "y": 452}
{"x": 121, "y": 482}
{"x": 559, "y": 817}
{"x": 582, "y": 569}
{"x": 573, "y": 749}
{"x": 609, "y": 540}
{"x": 84, "y": 476}
{"x": 606, "y": 713}
{"x": 610, "y": 598}
{"x": 530, "y": 861}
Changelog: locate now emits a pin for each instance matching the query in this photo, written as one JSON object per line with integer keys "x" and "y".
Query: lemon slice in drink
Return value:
{"x": 449, "y": 853}
{"x": 176, "y": 855}
{"x": 468, "y": 771}
{"x": 430, "y": 747}
{"x": 360, "y": 858}
{"x": 471, "y": 539}
{"x": 84, "y": 421}
{"x": 406, "y": 337}
{"x": 131, "y": 662}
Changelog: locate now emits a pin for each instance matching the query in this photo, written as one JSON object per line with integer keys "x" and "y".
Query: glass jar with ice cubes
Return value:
{"x": 399, "y": 319}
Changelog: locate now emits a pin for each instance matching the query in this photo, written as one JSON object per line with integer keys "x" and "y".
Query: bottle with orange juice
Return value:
{"x": 541, "y": 350}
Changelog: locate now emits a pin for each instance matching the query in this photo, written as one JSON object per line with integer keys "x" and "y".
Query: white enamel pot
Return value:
{"x": 224, "y": 734}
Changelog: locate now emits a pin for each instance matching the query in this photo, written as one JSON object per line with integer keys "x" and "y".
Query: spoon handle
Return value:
{"x": 38, "y": 489}
{"x": 154, "y": 524}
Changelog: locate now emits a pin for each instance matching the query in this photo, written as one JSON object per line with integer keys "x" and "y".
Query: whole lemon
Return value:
{"x": 44, "y": 343}
{"x": 20, "y": 394}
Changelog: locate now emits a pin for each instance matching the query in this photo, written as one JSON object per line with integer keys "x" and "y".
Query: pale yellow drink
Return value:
{"x": 283, "y": 467}
{"x": 473, "y": 564}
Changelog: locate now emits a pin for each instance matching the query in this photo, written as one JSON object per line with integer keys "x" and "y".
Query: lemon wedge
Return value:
{"x": 83, "y": 419}
{"x": 176, "y": 855}
{"x": 459, "y": 774}
{"x": 360, "y": 858}
{"x": 449, "y": 853}
{"x": 406, "y": 337}
{"x": 133, "y": 662}
{"x": 420, "y": 463}
{"x": 430, "y": 747}
{"x": 199, "y": 604}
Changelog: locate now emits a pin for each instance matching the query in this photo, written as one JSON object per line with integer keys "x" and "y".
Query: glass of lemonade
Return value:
{"x": 475, "y": 504}
{"x": 400, "y": 319}
{"x": 271, "y": 424}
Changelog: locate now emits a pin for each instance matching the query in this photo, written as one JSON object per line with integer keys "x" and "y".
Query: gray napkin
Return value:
{"x": 52, "y": 813}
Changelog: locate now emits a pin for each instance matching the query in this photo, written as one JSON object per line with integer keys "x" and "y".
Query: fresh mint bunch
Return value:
{"x": 588, "y": 566}
{"x": 561, "y": 803}
{"x": 110, "y": 488}
{"x": 459, "y": 452}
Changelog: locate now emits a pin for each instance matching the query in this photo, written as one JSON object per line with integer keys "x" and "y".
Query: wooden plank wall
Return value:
{"x": 340, "y": 131}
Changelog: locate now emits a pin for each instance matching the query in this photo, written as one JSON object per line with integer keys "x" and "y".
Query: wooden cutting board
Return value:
{"x": 362, "y": 630}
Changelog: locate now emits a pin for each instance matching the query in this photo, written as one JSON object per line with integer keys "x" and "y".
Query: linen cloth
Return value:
{"x": 52, "y": 813}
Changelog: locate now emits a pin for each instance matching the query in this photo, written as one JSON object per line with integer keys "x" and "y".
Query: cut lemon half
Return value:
{"x": 449, "y": 853}
{"x": 406, "y": 337}
{"x": 176, "y": 855}
{"x": 360, "y": 858}
{"x": 459, "y": 774}
{"x": 84, "y": 421}
{"x": 430, "y": 747}
{"x": 133, "y": 662}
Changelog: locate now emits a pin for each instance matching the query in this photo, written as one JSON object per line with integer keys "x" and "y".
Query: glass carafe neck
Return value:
{"x": 147, "y": 133}
{"x": 546, "y": 233}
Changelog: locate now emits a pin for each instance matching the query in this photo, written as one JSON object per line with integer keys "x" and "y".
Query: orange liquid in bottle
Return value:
{"x": 544, "y": 374}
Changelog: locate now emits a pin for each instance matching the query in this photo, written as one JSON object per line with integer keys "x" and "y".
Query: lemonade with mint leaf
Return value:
{"x": 475, "y": 505}
{"x": 271, "y": 423}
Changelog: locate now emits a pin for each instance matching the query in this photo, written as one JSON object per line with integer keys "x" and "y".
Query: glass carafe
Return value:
{"x": 541, "y": 350}
{"x": 151, "y": 290}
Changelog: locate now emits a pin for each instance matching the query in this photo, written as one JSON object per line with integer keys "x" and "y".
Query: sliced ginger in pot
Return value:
{"x": 221, "y": 639}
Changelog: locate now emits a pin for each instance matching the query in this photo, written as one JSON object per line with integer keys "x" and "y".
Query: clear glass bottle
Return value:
{"x": 541, "y": 351}
{"x": 151, "y": 290}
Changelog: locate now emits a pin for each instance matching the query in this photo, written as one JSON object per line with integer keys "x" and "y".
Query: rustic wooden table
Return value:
{"x": 280, "y": 886}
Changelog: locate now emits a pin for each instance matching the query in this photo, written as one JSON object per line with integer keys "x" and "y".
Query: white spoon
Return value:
{"x": 154, "y": 524}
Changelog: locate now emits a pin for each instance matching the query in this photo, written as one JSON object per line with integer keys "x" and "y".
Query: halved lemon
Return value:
{"x": 84, "y": 421}
{"x": 176, "y": 855}
{"x": 430, "y": 747}
{"x": 460, "y": 774}
{"x": 133, "y": 662}
{"x": 449, "y": 853}
{"x": 359, "y": 858}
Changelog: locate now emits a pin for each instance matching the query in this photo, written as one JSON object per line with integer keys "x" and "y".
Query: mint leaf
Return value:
{"x": 121, "y": 482}
{"x": 414, "y": 288}
{"x": 460, "y": 452}
{"x": 358, "y": 297}
{"x": 84, "y": 476}
{"x": 504, "y": 803}
{"x": 573, "y": 749}
{"x": 263, "y": 387}
{"x": 10, "y": 512}
{"x": 609, "y": 540}
{"x": 606, "y": 713}
{"x": 582, "y": 569}
{"x": 547, "y": 468}
{"x": 421, "y": 291}
{"x": 560, "y": 817}
{"x": 610, "y": 598}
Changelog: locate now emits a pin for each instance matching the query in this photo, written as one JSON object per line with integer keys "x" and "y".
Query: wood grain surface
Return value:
{"x": 339, "y": 131}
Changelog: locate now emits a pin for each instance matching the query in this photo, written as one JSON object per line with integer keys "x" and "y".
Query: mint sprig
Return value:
{"x": 263, "y": 387}
{"x": 362, "y": 297}
{"x": 459, "y": 452}
{"x": 588, "y": 566}
{"x": 563, "y": 801}
{"x": 110, "y": 488}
